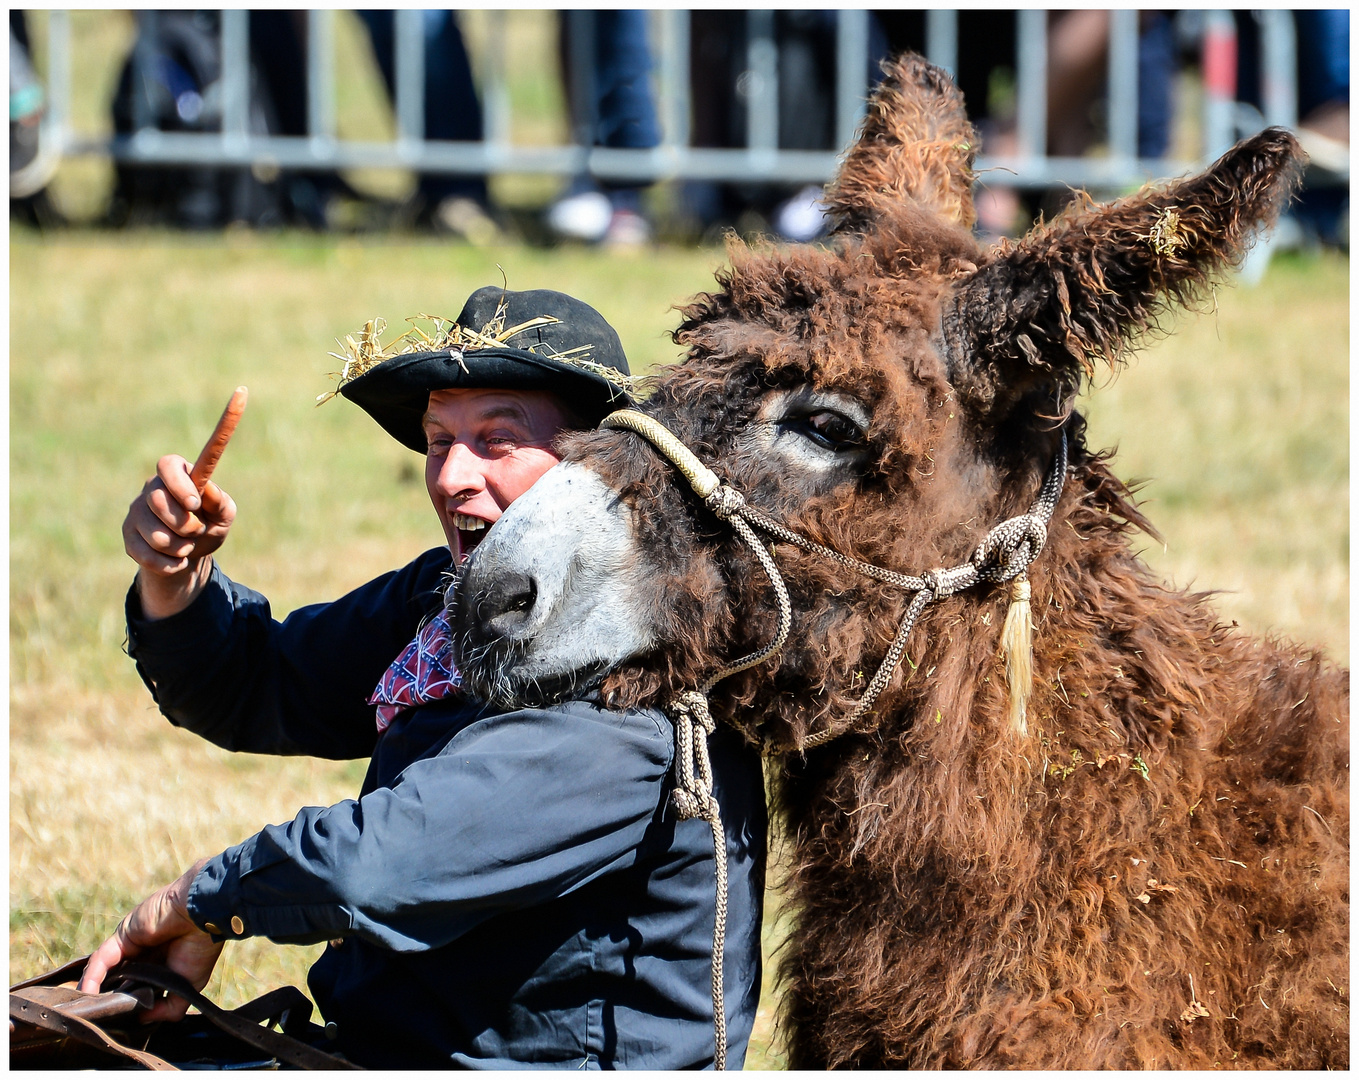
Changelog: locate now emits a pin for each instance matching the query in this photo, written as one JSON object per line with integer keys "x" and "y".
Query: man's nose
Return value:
{"x": 462, "y": 472}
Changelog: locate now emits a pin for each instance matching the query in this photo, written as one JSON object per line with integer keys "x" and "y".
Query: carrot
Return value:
{"x": 212, "y": 451}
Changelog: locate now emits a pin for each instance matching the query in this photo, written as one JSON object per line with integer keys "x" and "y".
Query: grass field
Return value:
{"x": 124, "y": 347}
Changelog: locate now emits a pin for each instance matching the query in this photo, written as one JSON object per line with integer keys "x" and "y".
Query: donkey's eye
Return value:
{"x": 831, "y": 430}
{"x": 821, "y": 435}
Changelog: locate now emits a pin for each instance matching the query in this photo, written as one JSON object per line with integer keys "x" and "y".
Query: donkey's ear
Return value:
{"x": 915, "y": 143}
{"x": 1085, "y": 287}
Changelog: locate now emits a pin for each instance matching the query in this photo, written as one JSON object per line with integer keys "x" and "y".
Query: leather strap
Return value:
{"x": 92, "y": 1007}
{"x": 25, "y": 1010}
{"x": 287, "y": 1006}
{"x": 66, "y": 973}
{"x": 43, "y": 1004}
{"x": 288, "y": 1050}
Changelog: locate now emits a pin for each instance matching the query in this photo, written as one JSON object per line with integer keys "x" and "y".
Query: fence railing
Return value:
{"x": 1223, "y": 119}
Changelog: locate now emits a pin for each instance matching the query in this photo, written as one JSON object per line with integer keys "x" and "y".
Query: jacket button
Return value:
{"x": 332, "y": 1030}
{"x": 237, "y": 926}
{"x": 211, "y": 928}
{"x": 336, "y": 942}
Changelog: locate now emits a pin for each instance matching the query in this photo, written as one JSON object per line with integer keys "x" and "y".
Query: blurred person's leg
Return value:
{"x": 987, "y": 77}
{"x": 1078, "y": 57}
{"x": 583, "y": 212}
{"x": 717, "y": 118}
{"x": 165, "y": 84}
{"x": 808, "y": 106}
{"x": 1078, "y": 64}
{"x": 626, "y": 110}
{"x": 25, "y": 98}
{"x": 452, "y": 112}
{"x": 1324, "y": 108}
{"x": 806, "y": 41}
{"x": 1324, "y": 72}
{"x": 606, "y": 68}
{"x": 278, "y": 49}
{"x": 1156, "y": 70}
{"x": 1321, "y": 211}
{"x": 276, "y": 46}
{"x": 29, "y": 172}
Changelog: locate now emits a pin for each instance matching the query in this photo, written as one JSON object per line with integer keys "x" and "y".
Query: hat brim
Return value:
{"x": 396, "y": 392}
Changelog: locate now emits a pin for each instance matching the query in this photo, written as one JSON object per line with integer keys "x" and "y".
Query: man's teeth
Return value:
{"x": 467, "y": 524}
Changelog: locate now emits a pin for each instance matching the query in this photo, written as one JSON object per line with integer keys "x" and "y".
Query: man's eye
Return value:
{"x": 832, "y": 430}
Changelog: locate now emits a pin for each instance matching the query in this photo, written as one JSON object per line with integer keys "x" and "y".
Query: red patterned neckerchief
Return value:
{"x": 424, "y": 672}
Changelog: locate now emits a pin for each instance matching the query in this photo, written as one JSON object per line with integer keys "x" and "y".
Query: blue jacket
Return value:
{"x": 509, "y": 889}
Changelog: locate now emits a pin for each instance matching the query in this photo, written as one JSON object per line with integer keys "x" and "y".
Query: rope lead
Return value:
{"x": 693, "y": 797}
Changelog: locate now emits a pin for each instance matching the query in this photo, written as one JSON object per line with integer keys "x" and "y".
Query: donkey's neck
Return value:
{"x": 946, "y": 765}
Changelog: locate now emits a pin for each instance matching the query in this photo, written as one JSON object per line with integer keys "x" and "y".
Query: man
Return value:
{"x": 509, "y": 889}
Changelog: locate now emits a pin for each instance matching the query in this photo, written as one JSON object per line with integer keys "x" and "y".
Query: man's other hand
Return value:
{"x": 159, "y": 930}
{"x": 171, "y": 533}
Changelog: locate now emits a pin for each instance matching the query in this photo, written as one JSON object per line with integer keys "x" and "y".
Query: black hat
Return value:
{"x": 534, "y": 340}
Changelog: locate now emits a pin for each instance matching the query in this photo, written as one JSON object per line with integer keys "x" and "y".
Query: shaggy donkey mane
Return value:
{"x": 1156, "y": 873}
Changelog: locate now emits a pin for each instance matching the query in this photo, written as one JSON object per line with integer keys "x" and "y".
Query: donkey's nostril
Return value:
{"x": 507, "y": 605}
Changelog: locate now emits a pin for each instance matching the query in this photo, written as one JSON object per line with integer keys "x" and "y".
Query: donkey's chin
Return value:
{"x": 511, "y": 683}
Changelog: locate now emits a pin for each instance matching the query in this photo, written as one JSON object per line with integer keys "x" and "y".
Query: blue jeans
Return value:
{"x": 1323, "y": 58}
{"x": 606, "y": 60}
{"x": 452, "y": 110}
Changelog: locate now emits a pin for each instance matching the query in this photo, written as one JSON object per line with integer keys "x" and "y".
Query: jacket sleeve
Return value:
{"x": 226, "y": 670}
{"x": 515, "y": 810}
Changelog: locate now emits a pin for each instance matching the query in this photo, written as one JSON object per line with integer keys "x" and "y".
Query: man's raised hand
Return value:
{"x": 179, "y": 520}
{"x": 171, "y": 532}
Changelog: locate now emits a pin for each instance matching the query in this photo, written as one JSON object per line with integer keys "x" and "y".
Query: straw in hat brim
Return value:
{"x": 396, "y": 392}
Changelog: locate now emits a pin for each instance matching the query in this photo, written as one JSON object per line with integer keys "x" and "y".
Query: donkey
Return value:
{"x": 1133, "y": 855}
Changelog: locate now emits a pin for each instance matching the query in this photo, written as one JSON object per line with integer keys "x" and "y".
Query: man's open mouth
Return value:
{"x": 471, "y": 531}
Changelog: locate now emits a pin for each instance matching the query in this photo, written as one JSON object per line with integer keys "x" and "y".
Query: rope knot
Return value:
{"x": 725, "y": 501}
{"x": 945, "y": 582}
{"x": 688, "y": 805}
{"x": 692, "y": 706}
{"x": 1007, "y": 550}
{"x": 693, "y": 793}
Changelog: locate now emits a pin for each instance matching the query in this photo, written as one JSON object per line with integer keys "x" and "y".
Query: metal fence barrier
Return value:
{"x": 1223, "y": 119}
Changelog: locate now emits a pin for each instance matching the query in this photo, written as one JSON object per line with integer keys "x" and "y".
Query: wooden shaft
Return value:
{"x": 212, "y": 451}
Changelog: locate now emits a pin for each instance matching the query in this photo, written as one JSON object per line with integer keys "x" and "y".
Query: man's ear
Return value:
{"x": 1086, "y": 286}
{"x": 915, "y": 145}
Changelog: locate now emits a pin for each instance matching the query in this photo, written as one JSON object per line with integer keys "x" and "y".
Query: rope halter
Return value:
{"x": 1003, "y": 555}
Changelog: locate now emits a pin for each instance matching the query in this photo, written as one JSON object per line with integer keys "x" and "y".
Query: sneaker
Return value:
{"x": 465, "y": 218}
{"x": 586, "y": 216}
{"x": 1324, "y": 152}
{"x": 627, "y": 229}
{"x": 802, "y": 218}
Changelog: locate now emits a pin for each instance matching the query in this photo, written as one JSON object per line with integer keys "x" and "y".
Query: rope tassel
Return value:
{"x": 1016, "y": 645}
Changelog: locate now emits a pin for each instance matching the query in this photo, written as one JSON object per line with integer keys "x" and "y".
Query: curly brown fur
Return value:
{"x": 915, "y": 144}
{"x": 972, "y": 898}
{"x": 1155, "y": 874}
{"x": 1097, "y": 278}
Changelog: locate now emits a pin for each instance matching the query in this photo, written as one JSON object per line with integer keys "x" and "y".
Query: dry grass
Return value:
{"x": 1240, "y": 422}
{"x": 123, "y": 348}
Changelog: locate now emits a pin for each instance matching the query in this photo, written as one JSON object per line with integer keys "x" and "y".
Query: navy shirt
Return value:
{"x": 509, "y": 889}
